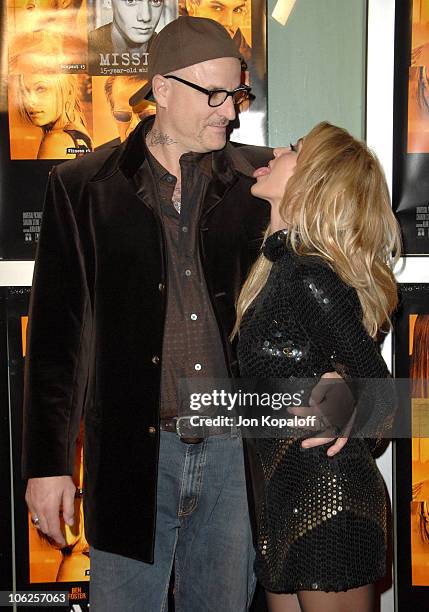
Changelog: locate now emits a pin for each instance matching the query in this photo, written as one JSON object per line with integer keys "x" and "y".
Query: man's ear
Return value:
{"x": 160, "y": 90}
{"x": 63, "y": 4}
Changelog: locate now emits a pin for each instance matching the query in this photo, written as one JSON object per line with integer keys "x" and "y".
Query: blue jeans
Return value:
{"x": 202, "y": 525}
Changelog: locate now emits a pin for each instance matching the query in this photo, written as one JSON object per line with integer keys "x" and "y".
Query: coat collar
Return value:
{"x": 129, "y": 156}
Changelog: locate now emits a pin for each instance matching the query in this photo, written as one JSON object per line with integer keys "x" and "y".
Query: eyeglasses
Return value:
{"x": 217, "y": 96}
{"x": 126, "y": 116}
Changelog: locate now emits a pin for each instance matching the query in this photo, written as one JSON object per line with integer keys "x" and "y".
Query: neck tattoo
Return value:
{"x": 177, "y": 197}
{"x": 155, "y": 137}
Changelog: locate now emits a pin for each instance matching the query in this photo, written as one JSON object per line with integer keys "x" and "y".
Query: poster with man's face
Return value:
{"x": 120, "y": 33}
{"x": 115, "y": 118}
{"x": 244, "y": 21}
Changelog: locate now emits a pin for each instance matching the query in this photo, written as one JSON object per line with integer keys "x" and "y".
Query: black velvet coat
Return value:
{"x": 96, "y": 326}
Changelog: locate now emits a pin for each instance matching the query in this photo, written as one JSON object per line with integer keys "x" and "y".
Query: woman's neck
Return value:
{"x": 276, "y": 220}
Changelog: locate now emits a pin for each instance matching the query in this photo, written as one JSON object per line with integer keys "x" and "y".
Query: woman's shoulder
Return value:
{"x": 317, "y": 278}
{"x": 312, "y": 275}
{"x": 55, "y": 144}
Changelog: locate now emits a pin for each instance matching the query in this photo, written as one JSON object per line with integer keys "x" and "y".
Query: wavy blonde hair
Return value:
{"x": 65, "y": 88}
{"x": 340, "y": 208}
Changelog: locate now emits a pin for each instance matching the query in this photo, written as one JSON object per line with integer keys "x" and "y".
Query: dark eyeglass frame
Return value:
{"x": 243, "y": 89}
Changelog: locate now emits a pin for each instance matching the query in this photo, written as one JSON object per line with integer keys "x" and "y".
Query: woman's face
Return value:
{"x": 40, "y": 99}
{"x": 271, "y": 180}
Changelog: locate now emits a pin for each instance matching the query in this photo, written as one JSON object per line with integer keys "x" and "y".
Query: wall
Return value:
{"x": 316, "y": 68}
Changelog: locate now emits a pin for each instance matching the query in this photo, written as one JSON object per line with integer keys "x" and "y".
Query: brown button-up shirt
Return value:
{"x": 192, "y": 346}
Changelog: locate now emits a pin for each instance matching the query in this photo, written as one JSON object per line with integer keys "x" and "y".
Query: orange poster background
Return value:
{"x": 47, "y": 37}
{"x": 420, "y": 481}
{"x": 25, "y": 137}
{"x": 418, "y": 84}
{"x": 47, "y": 563}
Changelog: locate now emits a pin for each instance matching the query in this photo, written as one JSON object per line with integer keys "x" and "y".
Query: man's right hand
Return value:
{"x": 47, "y": 498}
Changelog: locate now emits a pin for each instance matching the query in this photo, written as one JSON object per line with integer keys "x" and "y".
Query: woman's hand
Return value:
{"x": 333, "y": 403}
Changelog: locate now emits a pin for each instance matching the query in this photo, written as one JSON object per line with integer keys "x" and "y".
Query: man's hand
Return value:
{"x": 333, "y": 403}
{"x": 46, "y": 499}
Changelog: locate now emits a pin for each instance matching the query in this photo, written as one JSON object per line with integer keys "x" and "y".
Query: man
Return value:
{"x": 118, "y": 90}
{"x": 141, "y": 257}
{"x": 45, "y": 39}
{"x": 125, "y": 41}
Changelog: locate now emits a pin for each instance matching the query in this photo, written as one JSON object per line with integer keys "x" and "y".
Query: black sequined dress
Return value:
{"x": 321, "y": 521}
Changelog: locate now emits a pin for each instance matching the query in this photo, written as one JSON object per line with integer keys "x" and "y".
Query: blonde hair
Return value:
{"x": 339, "y": 204}
{"x": 68, "y": 106}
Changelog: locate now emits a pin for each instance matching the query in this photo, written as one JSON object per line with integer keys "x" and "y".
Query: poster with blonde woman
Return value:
{"x": 49, "y": 116}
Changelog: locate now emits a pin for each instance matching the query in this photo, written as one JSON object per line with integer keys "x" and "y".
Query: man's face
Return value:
{"x": 136, "y": 20}
{"x": 229, "y": 13}
{"x": 125, "y": 119}
{"x": 194, "y": 124}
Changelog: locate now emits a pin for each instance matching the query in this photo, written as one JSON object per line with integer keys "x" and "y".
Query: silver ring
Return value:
{"x": 35, "y": 520}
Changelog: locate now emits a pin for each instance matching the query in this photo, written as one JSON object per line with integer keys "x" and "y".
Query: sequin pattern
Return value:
{"x": 322, "y": 521}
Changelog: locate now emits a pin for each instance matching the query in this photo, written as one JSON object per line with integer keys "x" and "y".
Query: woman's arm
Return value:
{"x": 330, "y": 313}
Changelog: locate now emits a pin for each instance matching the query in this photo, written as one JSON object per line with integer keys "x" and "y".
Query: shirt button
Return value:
{"x": 197, "y": 366}
{"x": 184, "y": 229}
{"x": 161, "y": 287}
{"x": 194, "y": 317}
{"x": 151, "y": 430}
{"x": 155, "y": 359}
{"x": 170, "y": 178}
{"x": 188, "y": 273}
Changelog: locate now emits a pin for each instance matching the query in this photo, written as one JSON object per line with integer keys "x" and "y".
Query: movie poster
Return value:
{"x": 120, "y": 33}
{"x": 411, "y": 121}
{"x": 68, "y": 70}
{"x": 39, "y": 566}
{"x": 46, "y": 37}
{"x": 412, "y": 455}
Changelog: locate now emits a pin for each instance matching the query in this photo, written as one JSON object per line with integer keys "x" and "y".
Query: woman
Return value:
{"x": 52, "y": 103}
{"x": 313, "y": 302}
